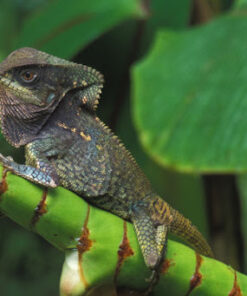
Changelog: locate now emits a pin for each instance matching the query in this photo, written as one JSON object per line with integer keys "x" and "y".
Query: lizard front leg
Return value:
{"x": 36, "y": 175}
{"x": 40, "y": 171}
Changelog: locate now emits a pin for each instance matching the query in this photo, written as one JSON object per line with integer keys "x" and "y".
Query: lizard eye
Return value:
{"x": 28, "y": 76}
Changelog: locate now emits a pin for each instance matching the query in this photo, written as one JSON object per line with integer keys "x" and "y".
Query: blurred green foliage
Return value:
{"x": 190, "y": 85}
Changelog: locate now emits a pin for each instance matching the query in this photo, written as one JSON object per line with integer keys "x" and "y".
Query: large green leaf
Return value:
{"x": 76, "y": 23}
{"x": 190, "y": 97}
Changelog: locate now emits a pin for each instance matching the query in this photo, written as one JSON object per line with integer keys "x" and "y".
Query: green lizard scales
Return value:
{"x": 48, "y": 105}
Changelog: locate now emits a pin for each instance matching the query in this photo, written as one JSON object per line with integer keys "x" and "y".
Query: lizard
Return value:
{"x": 48, "y": 105}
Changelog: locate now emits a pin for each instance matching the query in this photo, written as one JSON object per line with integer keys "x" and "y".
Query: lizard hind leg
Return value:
{"x": 151, "y": 238}
{"x": 152, "y": 241}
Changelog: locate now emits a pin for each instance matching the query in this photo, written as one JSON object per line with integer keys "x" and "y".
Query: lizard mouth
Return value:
{"x": 12, "y": 85}
{"x": 7, "y": 82}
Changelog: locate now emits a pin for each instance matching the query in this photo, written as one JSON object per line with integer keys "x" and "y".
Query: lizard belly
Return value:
{"x": 111, "y": 204}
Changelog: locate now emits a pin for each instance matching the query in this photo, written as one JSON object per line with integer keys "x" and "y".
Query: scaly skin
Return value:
{"x": 48, "y": 105}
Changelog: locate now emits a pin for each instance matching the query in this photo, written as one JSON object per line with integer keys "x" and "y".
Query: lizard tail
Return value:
{"x": 162, "y": 213}
{"x": 183, "y": 228}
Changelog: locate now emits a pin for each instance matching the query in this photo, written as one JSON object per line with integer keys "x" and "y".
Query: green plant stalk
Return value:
{"x": 92, "y": 238}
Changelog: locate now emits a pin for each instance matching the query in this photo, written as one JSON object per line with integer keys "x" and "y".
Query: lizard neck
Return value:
{"x": 71, "y": 112}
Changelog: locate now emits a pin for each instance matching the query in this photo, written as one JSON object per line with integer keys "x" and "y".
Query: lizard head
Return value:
{"x": 32, "y": 83}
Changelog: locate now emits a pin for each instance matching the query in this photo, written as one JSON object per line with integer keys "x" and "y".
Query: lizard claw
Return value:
{"x": 10, "y": 158}
{"x": 152, "y": 280}
{"x": 152, "y": 277}
{"x": 6, "y": 161}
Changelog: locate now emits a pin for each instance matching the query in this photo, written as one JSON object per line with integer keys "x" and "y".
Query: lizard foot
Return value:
{"x": 6, "y": 162}
{"x": 153, "y": 280}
